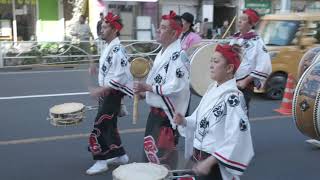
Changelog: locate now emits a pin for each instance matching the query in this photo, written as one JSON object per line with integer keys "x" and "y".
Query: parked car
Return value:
{"x": 287, "y": 37}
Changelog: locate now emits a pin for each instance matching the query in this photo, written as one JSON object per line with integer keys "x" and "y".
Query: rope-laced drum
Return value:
{"x": 146, "y": 171}
{"x": 199, "y": 71}
{"x": 67, "y": 114}
{"x": 306, "y": 112}
{"x": 307, "y": 59}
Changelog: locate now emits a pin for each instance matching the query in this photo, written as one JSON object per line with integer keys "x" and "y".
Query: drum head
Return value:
{"x": 306, "y": 112}
{"x": 140, "y": 171}
{"x": 307, "y": 59}
{"x": 66, "y": 114}
{"x": 66, "y": 108}
{"x": 200, "y": 72}
{"x": 140, "y": 67}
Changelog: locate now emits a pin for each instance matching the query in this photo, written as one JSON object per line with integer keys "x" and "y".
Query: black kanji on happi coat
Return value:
{"x": 175, "y": 55}
{"x": 116, "y": 49}
{"x": 179, "y": 73}
{"x": 158, "y": 79}
{"x": 233, "y": 100}
{"x": 123, "y": 62}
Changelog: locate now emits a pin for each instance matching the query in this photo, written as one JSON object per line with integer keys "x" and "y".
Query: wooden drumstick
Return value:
{"x": 139, "y": 69}
{"x": 135, "y": 109}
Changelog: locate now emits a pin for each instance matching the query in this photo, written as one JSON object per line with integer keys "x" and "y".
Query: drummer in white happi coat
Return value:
{"x": 167, "y": 92}
{"x": 256, "y": 64}
{"x": 115, "y": 81}
{"x": 218, "y": 136}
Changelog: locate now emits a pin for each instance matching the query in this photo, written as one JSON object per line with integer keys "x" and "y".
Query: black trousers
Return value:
{"x": 214, "y": 173}
{"x": 247, "y": 93}
{"x": 104, "y": 140}
{"x": 160, "y": 139}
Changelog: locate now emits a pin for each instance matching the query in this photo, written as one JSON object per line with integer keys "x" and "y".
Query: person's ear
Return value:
{"x": 230, "y": 68}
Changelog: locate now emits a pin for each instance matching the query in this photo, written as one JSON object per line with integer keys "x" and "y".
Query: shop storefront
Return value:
{"x": 18, "y": 19}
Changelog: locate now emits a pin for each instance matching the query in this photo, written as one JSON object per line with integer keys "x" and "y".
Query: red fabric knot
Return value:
{"x": 172, "y": 18}
{"x": 230, "y": 54}
{"x": 252, "y": 15}
{"x": 112, "y": 19}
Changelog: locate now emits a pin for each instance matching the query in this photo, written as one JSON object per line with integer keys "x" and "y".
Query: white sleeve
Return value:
{"x": 262, "y": 60}
{"x": 236, "y": 150}
{"x": 119, "y": 78}
{"x": 177, "y": 77}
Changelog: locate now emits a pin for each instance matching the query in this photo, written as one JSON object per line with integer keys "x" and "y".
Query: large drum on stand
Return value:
{"x": 306, "y": 108}
{"x": 200, "y": 68}
{"x": 307, "y": 59}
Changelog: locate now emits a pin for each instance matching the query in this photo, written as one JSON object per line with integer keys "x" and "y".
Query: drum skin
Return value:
{"x": 307, "y": 59}
{"x": 66, "y": 114}
{"x": 306, "y": 112}
{"x": 200, "y": 69}
{"x": 140, "y": 171}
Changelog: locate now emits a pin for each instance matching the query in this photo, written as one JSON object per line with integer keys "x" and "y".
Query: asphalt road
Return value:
{"x": 32, "y": 149}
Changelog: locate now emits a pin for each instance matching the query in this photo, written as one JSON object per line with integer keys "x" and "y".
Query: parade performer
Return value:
{"x": 188, "y": 37}
{"x": 114, "y": 82}
{"x": 218, "y": 136}
{"x": 256, "y": 64}
{"x": 167, "y": 92}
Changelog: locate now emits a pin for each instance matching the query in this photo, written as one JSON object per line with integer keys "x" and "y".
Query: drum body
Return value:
{"x": 200, "y": 68}
{"x": 66, "y": 114}
{"x": 307, "y": 59}
{"x": 306, "y": 112}
{"x": 140, "y": 171}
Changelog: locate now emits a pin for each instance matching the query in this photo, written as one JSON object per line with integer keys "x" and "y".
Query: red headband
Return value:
{"x": 252, "y": 15}
{"x": 171, "y": 17}
{"x": 112, "y": 19}
{"x": 231, "y": 56}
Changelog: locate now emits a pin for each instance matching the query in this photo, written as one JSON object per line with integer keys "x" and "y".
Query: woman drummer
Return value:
{"x": 219, "y": 130}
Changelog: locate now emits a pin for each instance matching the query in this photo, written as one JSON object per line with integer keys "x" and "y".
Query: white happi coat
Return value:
{"x": 256, "y": 61}
{"x": 220, "y": 127}
{"x": 169, "y": 78}
{"x": 114, "y": 68}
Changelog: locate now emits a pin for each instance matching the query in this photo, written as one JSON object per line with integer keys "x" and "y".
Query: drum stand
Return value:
{"x": 187, "y": 173}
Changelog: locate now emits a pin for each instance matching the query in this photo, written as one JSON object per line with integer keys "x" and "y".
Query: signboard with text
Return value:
{"x": 261, "y": 6}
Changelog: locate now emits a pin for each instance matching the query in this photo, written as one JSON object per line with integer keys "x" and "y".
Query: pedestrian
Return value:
{"x": 115, "y": 81}
{"x": 218, "y": 137}
{"x": 188, "y": 37}
{"x": 81, "y": 31}
{"x": 99, "y": 25}
{"x": 204, "y": 28}
{"x": 255, "y": 66}
{"x": 167, "y": 92}
{"x": 224, "y": 28}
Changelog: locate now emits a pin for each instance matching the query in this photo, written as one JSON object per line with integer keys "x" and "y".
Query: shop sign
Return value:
{"x": 20, "y": 2}
{"x": 261, "y": 6}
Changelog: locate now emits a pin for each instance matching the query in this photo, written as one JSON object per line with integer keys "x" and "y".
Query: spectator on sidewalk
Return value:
{"x": 81, "y": 31}
{"x": 188, "y": 37}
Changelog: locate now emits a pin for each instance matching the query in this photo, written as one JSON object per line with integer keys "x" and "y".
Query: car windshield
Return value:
{"x": 278, "y": 33}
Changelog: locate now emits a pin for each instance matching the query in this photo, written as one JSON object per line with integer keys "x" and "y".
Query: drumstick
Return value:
{"x": 225, "y": 33}
{"x": 135, "y": 109}
{"x": 139, "y": 69}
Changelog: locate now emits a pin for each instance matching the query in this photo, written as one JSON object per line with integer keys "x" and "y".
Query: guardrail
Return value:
{"x": 35, "y": 54}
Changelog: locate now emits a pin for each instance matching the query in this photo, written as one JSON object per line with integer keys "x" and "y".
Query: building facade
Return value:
{"x": 49, "y": 20}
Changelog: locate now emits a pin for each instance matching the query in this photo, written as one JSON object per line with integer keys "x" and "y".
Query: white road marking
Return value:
{"x": 40, "y": 72}
{"x": 63, "y": 137}
{"x": 43, "y": 95}
{"x": 85, "y": 135}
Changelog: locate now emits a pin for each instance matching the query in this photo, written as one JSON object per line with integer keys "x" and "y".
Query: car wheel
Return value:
{"x": 275, "y": 86}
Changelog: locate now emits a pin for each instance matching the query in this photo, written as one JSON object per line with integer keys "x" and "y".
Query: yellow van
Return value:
{"x": 287, "y": 37}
